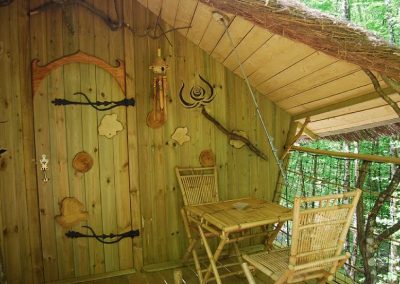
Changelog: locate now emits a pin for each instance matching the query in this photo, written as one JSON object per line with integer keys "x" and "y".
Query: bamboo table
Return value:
{"x": 233, "y": 216}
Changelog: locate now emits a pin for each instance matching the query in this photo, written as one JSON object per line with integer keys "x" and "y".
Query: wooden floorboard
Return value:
{"x": 163, "y": 277}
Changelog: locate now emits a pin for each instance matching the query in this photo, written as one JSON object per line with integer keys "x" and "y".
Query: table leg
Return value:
{"x": 272, "y": 236}
{"x": 212, "y": 258}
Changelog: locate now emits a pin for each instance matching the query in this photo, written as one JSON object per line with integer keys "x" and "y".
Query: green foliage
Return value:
{"x": 310, "y": 175}
{"x": 379, "y": 16}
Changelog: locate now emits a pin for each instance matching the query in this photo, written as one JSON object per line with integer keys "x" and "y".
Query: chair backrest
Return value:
{"x": 320, "y": 226}
{"x": 198, "y": 185}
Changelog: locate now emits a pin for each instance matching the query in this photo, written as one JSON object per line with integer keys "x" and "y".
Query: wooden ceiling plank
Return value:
{"x": 353, "y": 111}
{"x": 331, "y": 99}
{"x": 255, "y": 39}
{"x": 301, "y": 69}
{"x": 143, "y": 3}
{"x": 260, "y": 56}
{"x": 212, "y": 36}
{"x": 375, "y": 103}
{"x": 354, "y": 80}
{"x": 200, "y": 22}
{"x": 154, "y": 6}
{"x": 184, "y": 15}
{"x": 357, "y": 128}
{"x": 343, "y": 104}
{"x": 168, "y": 11}
{"x": 289, "y": 53}
{"x": 238, "y": 29}
{"x": 320, "y": 77}
{"x": 382, "y": 113}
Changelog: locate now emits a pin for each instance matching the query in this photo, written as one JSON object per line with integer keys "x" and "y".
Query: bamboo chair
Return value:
{"x": 320, "y": 226}
{"x": 198, "y": 186}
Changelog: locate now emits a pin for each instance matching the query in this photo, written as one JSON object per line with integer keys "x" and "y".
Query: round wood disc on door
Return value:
{"x": 82, "y": 162}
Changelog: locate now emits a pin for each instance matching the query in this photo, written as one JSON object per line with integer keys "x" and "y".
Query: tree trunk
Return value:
{"x": 394, "y": 265}
{"x": 345, "y": 9}
{"x": 364, "y": 240}
{"x": 350, "y": 246}
{"x": 390, "y": 21}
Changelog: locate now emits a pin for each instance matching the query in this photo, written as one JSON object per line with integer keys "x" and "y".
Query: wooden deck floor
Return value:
{"x": 164, "y": 277}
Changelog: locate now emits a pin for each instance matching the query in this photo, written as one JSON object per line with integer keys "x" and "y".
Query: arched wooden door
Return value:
{"x": 60, "y": 133}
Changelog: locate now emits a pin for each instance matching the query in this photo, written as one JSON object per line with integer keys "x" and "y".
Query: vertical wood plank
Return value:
{"x": 143, "y": 95}
{"x": 91, "y": 143}
{"x": 106, "y": 145}
{"x": 34, "y": 274}
{"x": 9, "y": 162}
{"x": 121, "y": 159}
{"x": 172, "y": 215}
{"x": 132, "y": 135}
{"x": 41, "y": 126}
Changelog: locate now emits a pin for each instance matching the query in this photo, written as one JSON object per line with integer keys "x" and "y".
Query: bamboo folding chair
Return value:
{"x": 198, "y": 186}
{"x": 320, "y": 226}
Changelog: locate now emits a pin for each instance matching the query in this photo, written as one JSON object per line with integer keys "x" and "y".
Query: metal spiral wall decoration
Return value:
{"x": 198, "y": 95}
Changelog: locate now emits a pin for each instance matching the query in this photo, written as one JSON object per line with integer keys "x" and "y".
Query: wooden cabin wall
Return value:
{"x": 148, "y": 196}
{"x": 20, "y": 232}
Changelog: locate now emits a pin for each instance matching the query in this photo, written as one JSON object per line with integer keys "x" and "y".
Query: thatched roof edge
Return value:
{"x": 324, "y": 33}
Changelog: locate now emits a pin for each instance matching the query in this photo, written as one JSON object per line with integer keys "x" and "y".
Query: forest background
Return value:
{"x": 315, "y": 175}
{"x": 379, "y": 16}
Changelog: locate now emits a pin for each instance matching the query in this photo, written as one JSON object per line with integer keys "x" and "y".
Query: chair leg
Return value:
{"x": 197, "y": 265}
{"x": 284, "y": 278}
{"x": 247, "y": 273}
{"x": 322, "y": 280}
{"x": 192, "y": 247}
{"x": 271, "y": 236}
{"x": 189, "y": 250}
{"x": 212, "y": 258}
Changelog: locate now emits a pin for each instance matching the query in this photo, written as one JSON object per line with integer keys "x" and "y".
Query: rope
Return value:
{"x": 269, "y": 137}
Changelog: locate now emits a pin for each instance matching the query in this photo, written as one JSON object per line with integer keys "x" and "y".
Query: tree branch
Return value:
{"x": 234, "y": 136}
{"x": 388, "y": 232}
{"x": 112, "y": 24}
{"x": 383, "y": 196}
{"x": 395, "y": 85}
{"x": 379, "y": 90}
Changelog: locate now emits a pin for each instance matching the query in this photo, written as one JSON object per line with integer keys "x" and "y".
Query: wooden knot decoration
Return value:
{"x": 180, "y": 135}
{"x": 198, "y": 95}
{"x": 110, "y": 125}
{"x": 158, "y": 115}
{"x": 71, "y": 212}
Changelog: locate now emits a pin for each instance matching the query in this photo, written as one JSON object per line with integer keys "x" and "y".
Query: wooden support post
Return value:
{"x": 291, "y": 134}
{"x": 289, "y": 143}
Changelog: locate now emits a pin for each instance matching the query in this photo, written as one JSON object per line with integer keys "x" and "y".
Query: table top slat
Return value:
{"x": 227, "y": 218}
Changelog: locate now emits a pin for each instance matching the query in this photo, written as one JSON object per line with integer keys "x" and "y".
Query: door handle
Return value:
{"x": 44, "y": 167}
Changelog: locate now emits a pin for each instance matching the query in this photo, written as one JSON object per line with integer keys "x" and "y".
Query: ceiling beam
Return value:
{"x": 323, "y": 33}
{"x": 343, "y": 104}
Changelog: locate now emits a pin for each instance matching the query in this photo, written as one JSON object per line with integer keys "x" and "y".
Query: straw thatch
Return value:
{"x": 332, "y": 36}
